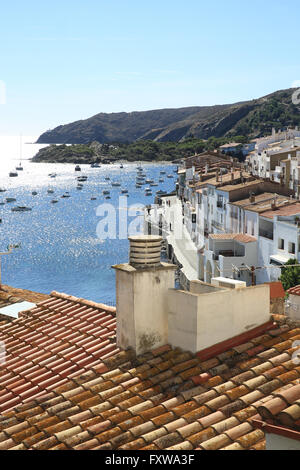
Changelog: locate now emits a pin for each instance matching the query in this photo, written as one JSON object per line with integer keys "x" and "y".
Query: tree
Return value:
{"x": 290, "y": 277}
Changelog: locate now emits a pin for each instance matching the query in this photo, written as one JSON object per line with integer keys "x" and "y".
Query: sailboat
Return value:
{"x": 20, "y": 167}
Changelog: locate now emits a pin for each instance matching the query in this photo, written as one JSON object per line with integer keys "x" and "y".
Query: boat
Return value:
{"x": 107, "y": 197}
{"x": 159, "y": 192}
{"x": 149, "y": 181}
{"x": 138, "y": 186}
{"x": 148, "y": 194}
{"x": 34, "y": 193}
{"x": 54, "y": 201}
{"x": 52, "y": 175}
{"x": 105, "y": 192}
{"x": 2, "y": 190}
{"x": 10, "y": 199}
{"x": 116, "y": 184}
{"x": 153, "y": 184}
{"x": 21, "y": 209}
{"x": 19, "y": 168}
{"x": 95, "y": 165}
{"x": 107, "y": 178}
{"x": 93, "y": 198}
{"x": 82, "y": 178}
{"x": 170, "y": 176}
{"x": 121, "y": 166}
{"x": 124, "y": 191}
{"x": 13, "y": 174}
{"x": 65, "y": 195}
{"x": 161, "y": 180}
{"x": 2, "y": 203}
{"x": 77, "y": 168}
{"x": 79, "y": 186}
{"x": 162, "y": 172}
{"x": 50, "y": 191}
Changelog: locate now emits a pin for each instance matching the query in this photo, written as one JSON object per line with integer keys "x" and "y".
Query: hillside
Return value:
{"x": 252, "y": 118}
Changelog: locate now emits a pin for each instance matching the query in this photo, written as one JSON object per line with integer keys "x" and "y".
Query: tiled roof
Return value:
{"x": 10, "y": 296}
{"x": 166, "y": 399}
{"x": 241, "y": 237}
{"x": 294, "y": 290}
{"x": 292, "y": 209}
{"x": 61, "y": 337}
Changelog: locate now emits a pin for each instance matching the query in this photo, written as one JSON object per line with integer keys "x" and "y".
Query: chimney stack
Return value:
{"x": 142, "y": 286}
{"x": 252, "y": 198}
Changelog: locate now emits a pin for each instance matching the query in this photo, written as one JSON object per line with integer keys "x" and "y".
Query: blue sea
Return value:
{"x": 59, "y": 248}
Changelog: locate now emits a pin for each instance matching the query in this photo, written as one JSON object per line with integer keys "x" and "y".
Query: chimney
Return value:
{"x": 142, "y": 286}
{"x": 252, "y": 198}
{"x": 274, "y": 204}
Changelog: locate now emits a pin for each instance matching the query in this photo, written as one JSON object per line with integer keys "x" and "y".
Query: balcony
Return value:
{"x": 266, "y": 234}
{"x": 220, "y": 204}
{"x": 217, "y": 225}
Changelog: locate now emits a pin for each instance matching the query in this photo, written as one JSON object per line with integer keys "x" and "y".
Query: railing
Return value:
{"x": 220, "y": 204}
{"x": 266, "y": 234}
{"x": 217, "y": 225}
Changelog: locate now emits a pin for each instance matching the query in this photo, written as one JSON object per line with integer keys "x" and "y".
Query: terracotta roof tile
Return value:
{"x": 166, "y": 400}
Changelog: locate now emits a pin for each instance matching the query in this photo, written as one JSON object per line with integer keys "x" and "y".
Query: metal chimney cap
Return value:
{"x": 145, "y": 251}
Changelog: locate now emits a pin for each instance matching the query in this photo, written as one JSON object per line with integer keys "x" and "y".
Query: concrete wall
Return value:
{"x": 292, "y": 309}
{"x": 197, "y": 322}
{"x": 142, "y": 310}
{"x": 275, "y": 442}
{"x": 199, "y": 287}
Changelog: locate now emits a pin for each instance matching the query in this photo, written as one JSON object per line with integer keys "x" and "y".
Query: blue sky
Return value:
{"x": 66, "y": 60}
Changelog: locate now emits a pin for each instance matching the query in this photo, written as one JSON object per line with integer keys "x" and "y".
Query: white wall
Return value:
{"x": 275, "y": 442}
{"x": 196, "y": 322}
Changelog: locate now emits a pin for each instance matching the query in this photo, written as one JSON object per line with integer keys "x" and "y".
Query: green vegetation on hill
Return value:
{"x": 144, "y": 150}
{"x": 253, "y": 118}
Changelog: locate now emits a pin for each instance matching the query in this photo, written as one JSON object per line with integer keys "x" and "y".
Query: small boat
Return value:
{"x": 2, "y": 203}
{"x": 13, "y": 174}
{"x": 107, "y": 178}
{"x": 93, "y": 198}
{"x": 124, "y": 191}
{"x": 19, "y": 168}
{"x": 95, "y": 165}
{"x": 161, "y": 180}
{"x": 105, "y": 192}
{"x": 159, "y": 192}
{"x": 77, "y": 168}
{"x": 2, "y": 190}
{"x": 50, "y": 191}
{"x": 170, "y": 176}
{"x": 79, "y": 186}
{"x": 65, "y": 195}
{"x": 116, "y": 184}
{"x": 34, "y": 193}
{"x": 52, "y": 175}
{"x": 54, "y": 201}
{"x": 121, "y": 166}
{"x": 148, "y": 194}
{"x": 153, "y": 184}
{"x": 107, "y": 197}
{"x": 21, "y": 209}
{"x": 149, "y": 181}
{"x": 82, "y": 178}
{"x": 10, "y": 199}
{"x": 162, "y": 172}
{"x": 138, "y": 186}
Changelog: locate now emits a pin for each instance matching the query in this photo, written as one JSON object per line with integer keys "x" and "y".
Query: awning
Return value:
{"x": 280, "y": 258}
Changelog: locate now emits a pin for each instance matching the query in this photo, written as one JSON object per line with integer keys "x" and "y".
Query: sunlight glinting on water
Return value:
{"x": 59, "y": 248}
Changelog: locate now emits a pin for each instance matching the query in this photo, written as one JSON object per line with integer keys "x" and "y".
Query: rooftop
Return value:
{"x": 240, "y": 237}
{"x": 62, "y": 336}
{"x": 289, "y": 210}
{"x": 263, "y": 202}
{"x": 65, "y": 385}
{"x": 294, "y": 290}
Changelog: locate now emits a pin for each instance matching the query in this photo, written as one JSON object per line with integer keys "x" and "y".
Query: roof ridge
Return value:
{"x": 81, "y": 301}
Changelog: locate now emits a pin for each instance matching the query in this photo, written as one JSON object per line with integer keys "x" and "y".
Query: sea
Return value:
{"x": 61, "y": 246}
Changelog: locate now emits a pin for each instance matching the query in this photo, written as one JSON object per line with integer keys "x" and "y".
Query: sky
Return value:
{"x": 66, "y": 60}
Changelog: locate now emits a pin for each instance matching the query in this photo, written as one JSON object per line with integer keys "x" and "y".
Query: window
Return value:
{"x": 292, "y": 248}
{"x": 280, "y": 244}
{"x": 193, "y": 218}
